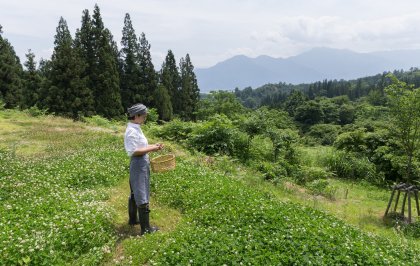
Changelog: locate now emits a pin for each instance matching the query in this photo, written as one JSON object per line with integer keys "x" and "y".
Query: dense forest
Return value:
{"x": 274, "y": 95}
{"x": 88, "y": 75}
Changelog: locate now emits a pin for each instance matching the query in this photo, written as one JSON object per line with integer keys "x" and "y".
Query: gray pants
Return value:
{"x": 140, "y": 179}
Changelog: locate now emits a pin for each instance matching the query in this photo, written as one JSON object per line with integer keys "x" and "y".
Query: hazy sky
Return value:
{"x": 214, "y": 30}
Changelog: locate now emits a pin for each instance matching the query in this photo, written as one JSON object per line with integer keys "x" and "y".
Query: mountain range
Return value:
{"x": 316, "y": 64}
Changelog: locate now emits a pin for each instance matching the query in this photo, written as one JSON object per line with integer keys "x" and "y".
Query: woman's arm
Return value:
{"x": 149, "y": 148}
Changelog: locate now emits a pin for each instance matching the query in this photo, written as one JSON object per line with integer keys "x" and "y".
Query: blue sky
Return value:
{"x": 214, "y": 30}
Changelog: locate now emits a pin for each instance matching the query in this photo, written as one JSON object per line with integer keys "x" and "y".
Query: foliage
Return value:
{"x": 404, "y": 102}
{"x": 32, "y": 82}
{"x": 162, "y": 101}
{"x": 152, "y": 115}
{"x": 272, "y": 172}
{"x": 52, "y": 209}
{"x": 309, "y": 113}
{"x": 322, "y": 187}
{"x": 129, "y": 66}
{"x": 353, "y": 141}
{"x": 309, "y": 174}
{"x": 227, "y": 222}
{"x": 412, "y": 230}
{"x": 66, "y": 93}
{"x": 10, "y": 74}
{"x": 350, "y": 166}
{"x": 189, "y": 91}
{"x": 35, "y": 111}
{"x": 170, "y": 78}
{"x": 219, "y": 136}
{"x": 175, "y": 130}
{"x": 219, "y": 102}
{"x": 325, "y": 134}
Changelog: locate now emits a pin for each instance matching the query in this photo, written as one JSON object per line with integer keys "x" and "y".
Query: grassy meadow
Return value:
{"x": 63, "y": 197}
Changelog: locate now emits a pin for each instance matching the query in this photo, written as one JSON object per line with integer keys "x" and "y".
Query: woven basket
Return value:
{"x": 163, "y": 163}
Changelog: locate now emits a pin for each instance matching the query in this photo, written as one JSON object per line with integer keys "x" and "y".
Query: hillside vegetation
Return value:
{"x": 57, "y": 180}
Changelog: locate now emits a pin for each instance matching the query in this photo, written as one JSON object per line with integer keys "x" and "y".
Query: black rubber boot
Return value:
{"x": 144, "y": 220}
{"x": 133, "y": 219}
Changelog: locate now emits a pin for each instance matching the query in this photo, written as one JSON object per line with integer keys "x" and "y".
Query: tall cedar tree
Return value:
{"x": 190, "y": 92}
{"x": 10, "y": 74}
{"x": 148, "y": 76}
{"x": 32, "y": 82}
{"x": 85, "y": 48}
{"x": 67, "y": 94}
{"x": 162, "y": 101}
{"x": 169, "y": 77}
{"x": 104, "y": 76}
{"x": 130, "y": 67}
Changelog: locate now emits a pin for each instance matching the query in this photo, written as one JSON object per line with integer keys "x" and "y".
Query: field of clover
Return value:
{"x": 226, "y": 222}
{"x": 52, "y": 205}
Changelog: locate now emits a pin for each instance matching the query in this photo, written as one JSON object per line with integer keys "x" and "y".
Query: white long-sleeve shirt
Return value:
{"x": 134, "y": 138}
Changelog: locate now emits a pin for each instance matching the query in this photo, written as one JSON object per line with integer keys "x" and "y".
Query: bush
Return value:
{"x": 412, "y": 230}
{"x": 324, "y": 133}
{"x": 272, "y": 172}
{"x": 176, "y": 130}
{"x": 2, "y": 104}
{"x": 34, "y": 111}
{"x": 309, "y": 173}
{"x": 322, "y": 187}
{"x": 353, "y": 141}
{"x": 349, "y": 165}
{"x": 219, "y": 136}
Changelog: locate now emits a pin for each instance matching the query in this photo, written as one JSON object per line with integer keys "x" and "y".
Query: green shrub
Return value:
{"x": 322, "y": 187}
{"x": 219, "y": 136}
{"x": 34, "y": 111}
{"x": 176, "y": 130}
{"x": 97, "y": 120}
{"x": 353, "y": 141}
{"x": 351, "y": 166}
{"x": 272, "y": 172}
{"x": 412, "y": 230}
{"x": 311, "y": 173}
{"x": 2, "y": 104}
{"x": 324, "y": 133}
{"x": 152, "y": 115}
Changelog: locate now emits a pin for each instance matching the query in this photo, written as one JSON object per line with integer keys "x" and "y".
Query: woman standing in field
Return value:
{"x": 137, "y": 148}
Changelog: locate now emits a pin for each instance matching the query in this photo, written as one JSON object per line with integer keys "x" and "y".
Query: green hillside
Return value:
{"x": 63, "y": 195}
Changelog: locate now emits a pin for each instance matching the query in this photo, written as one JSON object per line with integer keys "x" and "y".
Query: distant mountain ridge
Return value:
{"x": 316, "y": 64}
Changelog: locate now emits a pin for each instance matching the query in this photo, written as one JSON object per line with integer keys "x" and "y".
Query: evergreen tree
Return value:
{"x": 10, "y": 74}
{"x": 162, "y": 102}
{"x": 85, "y": 48}
{"x": 148, "y": 77}
{"x": 130, "y": 74}
{"x": 190, "y": 92}
{"x": 169, "y": 76}
{"x": 32, "y": 82}
{"x": 104, "y": 76}
{"x": 67, "y": 93}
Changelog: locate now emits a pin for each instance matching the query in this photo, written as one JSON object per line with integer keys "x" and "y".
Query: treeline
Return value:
{"x": 275, "y": 95}
{"x": 88, "y": 75}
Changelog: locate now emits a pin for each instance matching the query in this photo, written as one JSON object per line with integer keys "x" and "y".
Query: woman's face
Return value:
{"x": 141, "y": 118}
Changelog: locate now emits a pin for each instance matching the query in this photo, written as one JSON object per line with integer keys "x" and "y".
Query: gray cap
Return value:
{"x": 137, "y": 109}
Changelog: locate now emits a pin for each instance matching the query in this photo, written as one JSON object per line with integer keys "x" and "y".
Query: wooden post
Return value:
{"x": 390, "y": 201}
{"x": 396, "y": 200}
{"x": 416, "y": 196}
{"x": 403, "y": 205}
{"x": 409, "y": 206}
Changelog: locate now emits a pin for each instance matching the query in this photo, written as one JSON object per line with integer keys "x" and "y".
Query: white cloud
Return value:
{"x": 214, "y": 30}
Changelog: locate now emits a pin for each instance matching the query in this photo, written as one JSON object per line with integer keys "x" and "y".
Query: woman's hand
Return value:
{"x": 159, "y": 146}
